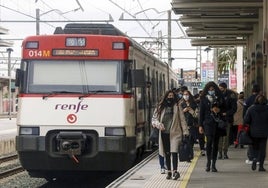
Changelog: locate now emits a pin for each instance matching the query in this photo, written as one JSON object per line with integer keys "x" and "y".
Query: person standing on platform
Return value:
{"x": 211, "y": 105}
{"x": 238, "y": 119}
{"x": 230, "y": 98}
{"x": 257, "y": 119}
{"x": 168, "y": 117}
{"x": 248, "y": 102}
{"x": 201, "y": 137}
{"x": 190, "y": 110}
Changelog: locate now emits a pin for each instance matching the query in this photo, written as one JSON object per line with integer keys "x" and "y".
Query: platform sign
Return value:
{"x": 207, "y": 72}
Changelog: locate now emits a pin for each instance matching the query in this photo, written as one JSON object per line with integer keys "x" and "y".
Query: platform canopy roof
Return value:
{"x": 4, "y": 43}
{"x": 218, "y": 22}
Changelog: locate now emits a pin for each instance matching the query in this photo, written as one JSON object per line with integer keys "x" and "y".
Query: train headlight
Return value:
{"x": 115, "y": 131}
{"x": 32, "y": 45}
{"x": 29, "y": 131}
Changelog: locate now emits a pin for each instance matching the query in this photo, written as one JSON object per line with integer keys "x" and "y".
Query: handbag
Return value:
{"x": 154, "y": 135}
{"x": 222, "y": 124}
{"x": 185, "y": 150}
{"x": 244, "y": 138}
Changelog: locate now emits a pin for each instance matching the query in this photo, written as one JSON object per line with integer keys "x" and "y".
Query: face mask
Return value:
{"x": 170, "y": 100}
{"x": 179, "y": 95}
{"x": 186, "y": 97}
{"x": 211, "y": 92}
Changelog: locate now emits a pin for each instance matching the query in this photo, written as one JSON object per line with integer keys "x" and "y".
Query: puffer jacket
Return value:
{"x": 257, "y": 119}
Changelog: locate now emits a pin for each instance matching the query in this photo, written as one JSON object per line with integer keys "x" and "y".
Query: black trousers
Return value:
{"x": 212, "y": 147}
{"x": 259, "y": 149}
{"x": 168, "y": 154}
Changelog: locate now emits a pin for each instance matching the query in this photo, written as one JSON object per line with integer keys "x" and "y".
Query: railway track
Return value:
{"x": 8, "y": 158}
{"x": 10, "y": 170}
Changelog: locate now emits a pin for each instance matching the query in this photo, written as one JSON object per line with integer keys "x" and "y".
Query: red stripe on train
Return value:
{"x": 78, "y": 95}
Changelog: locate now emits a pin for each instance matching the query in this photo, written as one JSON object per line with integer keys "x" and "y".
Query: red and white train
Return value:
{"x": 84, "y": 100}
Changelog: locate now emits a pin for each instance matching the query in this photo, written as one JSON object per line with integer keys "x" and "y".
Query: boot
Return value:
{"x": 225, "y": 156}
{"x": 169, "y": 175}
{"x": 254, "y": 164}
{"x": 261, "y": 169}
{"x": 208, "y": 165}
{"x": 213, "y": 167}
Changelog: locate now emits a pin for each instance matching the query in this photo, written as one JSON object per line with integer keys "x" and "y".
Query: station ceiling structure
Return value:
{"x": 218, "y": 22}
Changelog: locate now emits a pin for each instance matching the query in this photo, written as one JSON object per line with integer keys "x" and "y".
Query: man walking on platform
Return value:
{"x": 230, "y": 98}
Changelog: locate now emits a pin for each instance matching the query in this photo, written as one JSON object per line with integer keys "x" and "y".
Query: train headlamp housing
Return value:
{"x": 29, "y": 131}
{"x": 32, "y": 45}
{"x": 115, "y": 131}
{"x": 119, "y": 46}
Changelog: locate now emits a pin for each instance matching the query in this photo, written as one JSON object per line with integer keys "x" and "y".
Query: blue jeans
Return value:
{"x": 161, "y": 161}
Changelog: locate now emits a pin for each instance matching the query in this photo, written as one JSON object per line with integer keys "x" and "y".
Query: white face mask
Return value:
{"x": 212, "y": 92}
{"x": 186, "y": 97}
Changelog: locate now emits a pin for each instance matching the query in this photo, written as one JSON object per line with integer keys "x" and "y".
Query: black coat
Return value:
{"x": 257, "y": 119}
{"x": 248, "y": 102}
{"x": 206, "y": 119}
{"x": 230, "y": 108}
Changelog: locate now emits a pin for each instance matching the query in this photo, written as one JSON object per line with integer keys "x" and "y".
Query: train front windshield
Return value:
{"x": 73, "y": 76}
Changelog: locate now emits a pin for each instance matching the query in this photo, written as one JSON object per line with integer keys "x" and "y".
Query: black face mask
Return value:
{"x": 170, "y": 101}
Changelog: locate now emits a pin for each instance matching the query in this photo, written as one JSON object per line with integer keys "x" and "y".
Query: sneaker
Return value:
{"x": 168, "y": 176}
{"x": 203, "y": 152}
{"x": 176, "y": 175}
{"x": 249, "y": 162}
{"x": 163, "y": 171}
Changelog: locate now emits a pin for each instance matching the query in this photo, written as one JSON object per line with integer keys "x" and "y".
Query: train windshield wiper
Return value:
{"x": 95, "y": 92}
{"x": 52, "y": 93}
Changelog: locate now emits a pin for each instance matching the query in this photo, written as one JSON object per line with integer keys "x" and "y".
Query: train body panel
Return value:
{"x": 72, "y": 112}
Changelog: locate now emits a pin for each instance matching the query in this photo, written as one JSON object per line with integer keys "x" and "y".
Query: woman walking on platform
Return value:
{"x": 190, "y": 110}
{"x": 168, "y": 117}
{"x": 211, "y": 105}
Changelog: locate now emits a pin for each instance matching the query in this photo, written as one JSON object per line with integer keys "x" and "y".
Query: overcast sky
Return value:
{"x": 73, "y": 10}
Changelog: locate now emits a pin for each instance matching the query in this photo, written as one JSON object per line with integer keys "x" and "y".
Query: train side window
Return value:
{"x": 127, "y": 80}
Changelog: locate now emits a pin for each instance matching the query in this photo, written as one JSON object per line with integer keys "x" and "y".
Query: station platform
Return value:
{"x": 232, "y": 173}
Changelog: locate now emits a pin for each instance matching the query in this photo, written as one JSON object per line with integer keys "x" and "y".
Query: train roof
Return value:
{"x": 99, "y": 29}
{"x": 95, "y": 29}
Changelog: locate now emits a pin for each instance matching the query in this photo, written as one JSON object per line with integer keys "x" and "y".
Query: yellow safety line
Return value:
{"x": 187, "y": 176}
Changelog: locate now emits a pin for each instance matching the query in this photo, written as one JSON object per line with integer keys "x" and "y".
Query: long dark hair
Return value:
{"x": 206, "y": 88}
{"x": 191, "y": 97}
{"x": 162, "y": 103}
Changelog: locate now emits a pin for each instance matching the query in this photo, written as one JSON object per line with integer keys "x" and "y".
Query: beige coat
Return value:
{"x": 177, "y": 130}
{"x": 238, "y": 116}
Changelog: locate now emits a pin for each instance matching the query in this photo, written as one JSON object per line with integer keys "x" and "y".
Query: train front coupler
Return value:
{"x": 71, "y": 143}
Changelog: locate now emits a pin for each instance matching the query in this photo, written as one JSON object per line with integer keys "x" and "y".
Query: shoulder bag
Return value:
{"x": 244, "y": 137}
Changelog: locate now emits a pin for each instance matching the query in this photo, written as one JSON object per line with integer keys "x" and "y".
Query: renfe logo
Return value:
{"x": 71, "y": 118}
{"x": 75, "y": 107}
